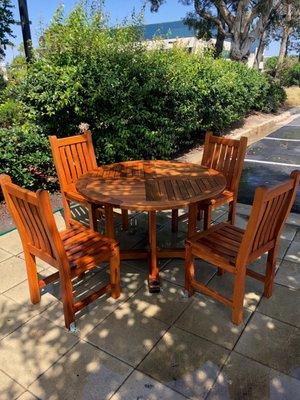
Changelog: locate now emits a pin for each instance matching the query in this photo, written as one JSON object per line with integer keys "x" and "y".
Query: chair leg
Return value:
{"x": 174, "y": 220}
{"x": 232, "y": 212}
{"x": 207, "y": 217}
{"x": 238, "y": 297}
{"x": 67, "y": 211}
{"x": 92, "y": 209}
{"x": 270, "y": 273}
{"x": 199, "y": 214}
{"x": 189, "y": 270}
{"x": 66, "y": 288}
{"x": 33, "y": 282}
{"x": 124, "y": 219}
{"x": 115, "y": 274}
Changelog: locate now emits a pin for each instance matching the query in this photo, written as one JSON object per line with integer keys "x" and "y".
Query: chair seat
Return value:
{"x": 219, "y": 243}
{"x": 225, "y": 197}
{"x": 84, "y": 246}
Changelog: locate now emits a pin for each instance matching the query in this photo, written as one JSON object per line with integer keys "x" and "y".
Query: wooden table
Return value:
{"x": 150, "y": 186}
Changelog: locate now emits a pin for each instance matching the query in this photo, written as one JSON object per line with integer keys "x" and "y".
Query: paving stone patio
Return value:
{"x": 151, "y": 346}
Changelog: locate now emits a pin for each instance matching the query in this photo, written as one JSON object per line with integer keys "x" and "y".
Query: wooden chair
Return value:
{"x": 226, "y": 156}
{"x": 74, "y": 156}
{"x": 72, "y": 251}
{"x": 232, "y": 249}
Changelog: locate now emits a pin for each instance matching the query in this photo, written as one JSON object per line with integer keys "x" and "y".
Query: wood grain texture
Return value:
{"x": 72, "y": 251}
{"x": 226, "y": 156}
{"x": 74, "y": 156}
{"x": 232, "y": 249}
{"x": 150, "y": 185}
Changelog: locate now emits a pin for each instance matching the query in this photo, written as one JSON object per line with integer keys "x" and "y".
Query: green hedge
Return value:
{"x": 289, "y": 72}
{"x": 139, "y": 103}
{"x": 25, "y": 156}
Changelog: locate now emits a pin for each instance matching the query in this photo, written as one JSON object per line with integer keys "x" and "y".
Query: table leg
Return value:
{"x": 109, "y": 221}
{"x": 153, "y": 279}
{"x": 192, "y": 219}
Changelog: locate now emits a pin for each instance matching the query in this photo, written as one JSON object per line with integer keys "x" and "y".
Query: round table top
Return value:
{"x": 150, "y": 185}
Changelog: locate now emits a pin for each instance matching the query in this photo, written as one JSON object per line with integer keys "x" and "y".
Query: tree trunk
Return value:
{"x": 239, "y": 50}
{"x": 283, "y": 45}
{"x": 219, "y": 44}
{"x": 287, "y": 30}
{"x": 246, "y": 27}
{"x": 260, "y": 50}
{"x": 287, "y": 47}
{"x": 220, "y": 40}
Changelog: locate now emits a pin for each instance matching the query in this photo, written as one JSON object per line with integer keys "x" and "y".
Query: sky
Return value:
{"x": 41, "y": 12}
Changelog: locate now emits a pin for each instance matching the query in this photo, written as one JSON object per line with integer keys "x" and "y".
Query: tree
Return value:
{"x": 241, "y": 21}
{"x": 266, "y": 37}
{"x": 294, "y": 42}
{"x": 205, "y": 28}
{"x": 25, "y": 25}
{"x": 263, "y": 42}
{"x": 288, "y": 25}
{"x": 6, "y": 20}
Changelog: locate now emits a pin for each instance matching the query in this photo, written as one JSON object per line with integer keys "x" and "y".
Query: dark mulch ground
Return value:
{"x": 6, "y": 222}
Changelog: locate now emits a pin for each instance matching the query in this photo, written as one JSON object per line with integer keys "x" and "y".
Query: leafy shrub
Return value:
{"x": 289, "y": 72}
{"x": 11, "y": 113}
{"x": 274, "y": 97}
{"x": 139, "y": 103}
{"x": 25, "y": 156}
{"x": 271, "y": 66}
{"x": 291, "y": 76}
{"x": 2, "y": 82}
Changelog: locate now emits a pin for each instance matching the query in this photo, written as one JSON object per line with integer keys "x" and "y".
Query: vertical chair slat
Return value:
{"x": 77, "y": 163}
{"x": 46, "y": 245}
{"x": 64, "y": 167}
{"x": 83, "y": 163}
{"x": 232, "y": 168}
{"x": 227, "y": 161}
{"x": 28, "y": 217}
{"x": 71, "y": 164}
{"x": 87, "y": 158}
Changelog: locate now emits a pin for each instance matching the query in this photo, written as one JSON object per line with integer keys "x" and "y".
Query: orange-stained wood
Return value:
{"x": 74, "y": 156}
{"x": 232, "y": 249}
{"x": 72, "y": 251}
{"x": 153, "y": 268}
{"x": 151, "y": 186}
{"x": 226, "y": 156}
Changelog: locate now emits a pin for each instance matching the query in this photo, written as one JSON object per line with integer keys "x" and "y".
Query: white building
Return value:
{"x": 177, "y": 33}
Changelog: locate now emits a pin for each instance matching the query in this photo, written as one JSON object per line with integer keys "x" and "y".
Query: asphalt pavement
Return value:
{"x": 270, "y": 161}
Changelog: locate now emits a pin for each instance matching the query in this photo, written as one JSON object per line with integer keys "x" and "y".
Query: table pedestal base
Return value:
{"x": 154, "y": 253}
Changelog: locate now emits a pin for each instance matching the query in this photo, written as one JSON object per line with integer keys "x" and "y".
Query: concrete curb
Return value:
{"x": 253, "y": 133}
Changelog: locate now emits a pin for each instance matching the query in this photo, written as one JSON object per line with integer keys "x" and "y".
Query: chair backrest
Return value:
{"x": 226, "y": 156}
{"x": 34, "y": 220}
{"x": 73, "y": 156}
{"x": 270, "y": 209}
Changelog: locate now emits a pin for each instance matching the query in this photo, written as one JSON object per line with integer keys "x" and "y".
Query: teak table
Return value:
{"x": 150, "y": 186}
